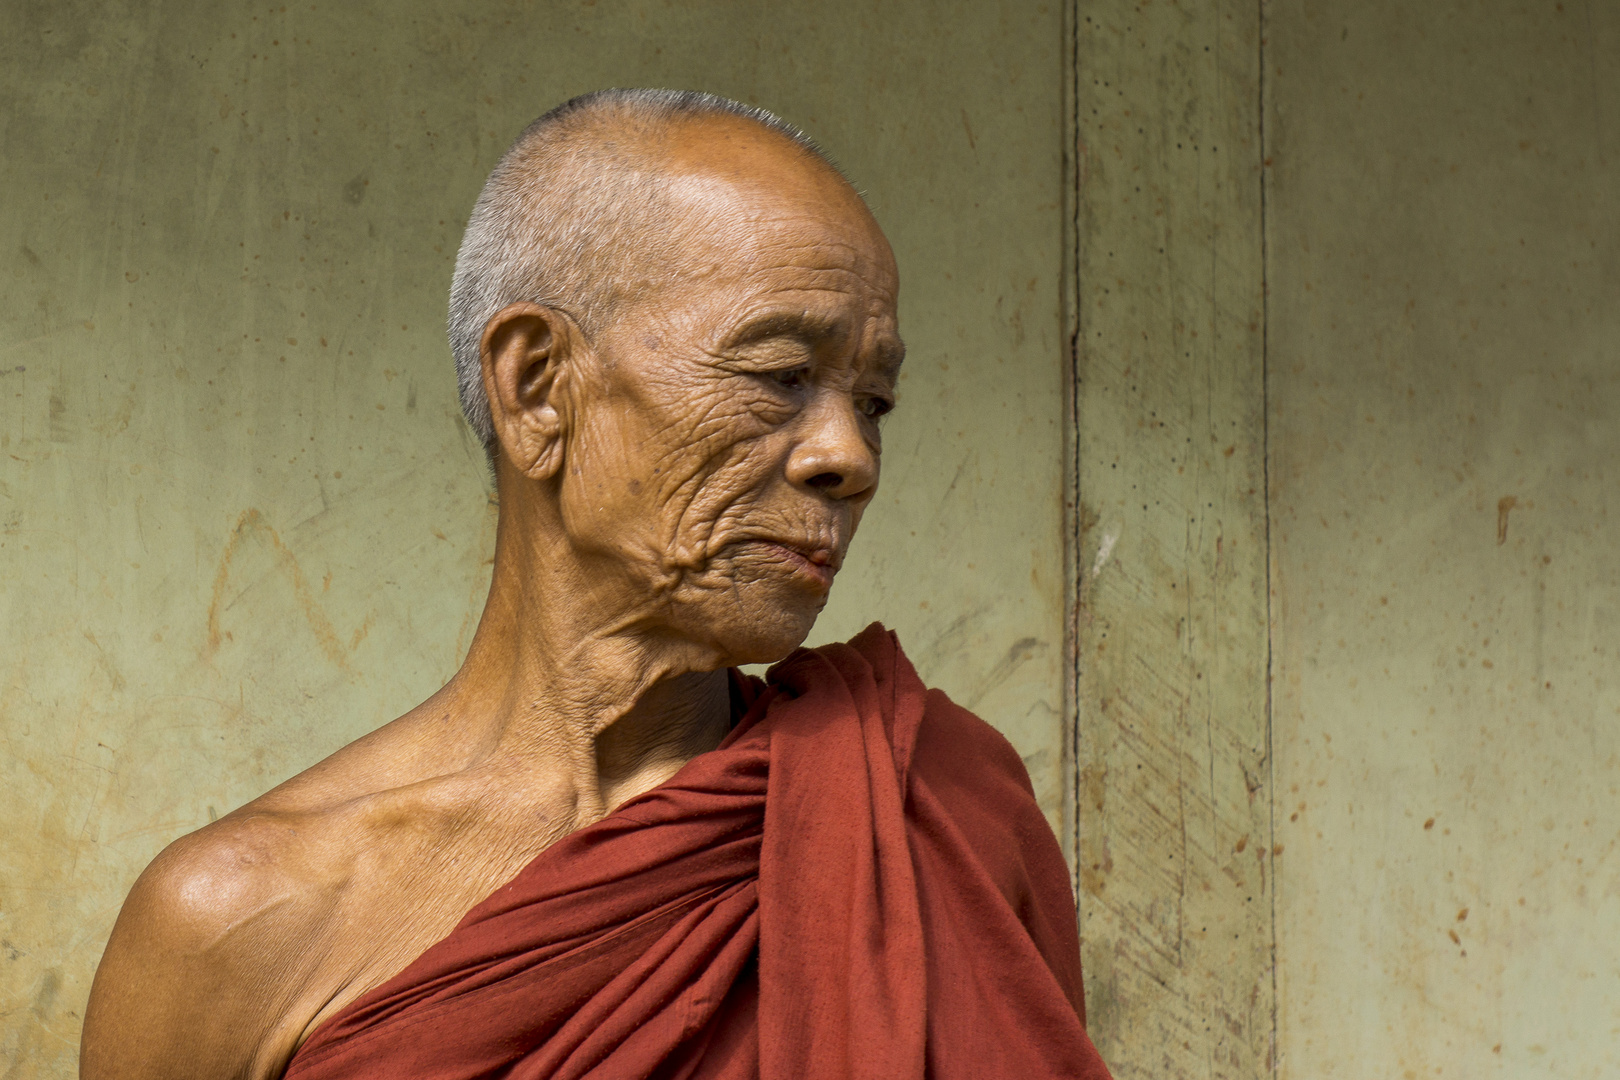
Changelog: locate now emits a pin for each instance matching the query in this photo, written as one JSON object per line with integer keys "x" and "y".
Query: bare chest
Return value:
{"x": 398, "y": 885}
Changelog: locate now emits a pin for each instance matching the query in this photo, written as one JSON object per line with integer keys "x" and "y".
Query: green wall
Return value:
{"x": 1444, "y": 238}
{"x": 1175, "y": 871}
{"x": 240, "y": 520}
{"x": 1349, "y": 471}
{"x": 1343, "y": 418}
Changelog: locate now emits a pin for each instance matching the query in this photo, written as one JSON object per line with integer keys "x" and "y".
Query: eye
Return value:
{"x": 791, "y": 377}
{"x": 874, "y": 407}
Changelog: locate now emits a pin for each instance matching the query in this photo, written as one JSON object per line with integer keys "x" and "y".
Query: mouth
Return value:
{"x": 816, "y": 563}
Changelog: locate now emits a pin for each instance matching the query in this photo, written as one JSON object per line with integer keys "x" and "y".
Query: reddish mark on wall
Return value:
{"x": 252, "y": 521}
{"x": 1504, "y": 506}
{"x": 1094, "y": 875}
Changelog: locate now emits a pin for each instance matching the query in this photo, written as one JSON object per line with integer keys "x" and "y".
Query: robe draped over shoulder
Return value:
{"x": 856, "y": 885}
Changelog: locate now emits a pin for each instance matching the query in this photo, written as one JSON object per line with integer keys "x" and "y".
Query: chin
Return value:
{"x": 764, "y": 645}
{"x": 753, "y": 623}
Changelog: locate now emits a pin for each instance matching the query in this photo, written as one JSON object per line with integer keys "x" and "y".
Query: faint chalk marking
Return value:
{"x": 114, "y": 676}
{"x": 1104, "y": 550}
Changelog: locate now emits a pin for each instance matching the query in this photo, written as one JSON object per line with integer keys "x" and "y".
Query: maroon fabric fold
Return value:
{"x": 857, "y": 885}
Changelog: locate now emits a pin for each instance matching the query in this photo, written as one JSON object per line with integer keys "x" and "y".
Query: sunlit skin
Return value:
{"x": 677, "y": 492}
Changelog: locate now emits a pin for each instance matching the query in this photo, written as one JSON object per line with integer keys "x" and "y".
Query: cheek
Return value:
{"x": 705, "y": 441}
{"x": 723, "y": 489}
{"x": 652, "y": 475}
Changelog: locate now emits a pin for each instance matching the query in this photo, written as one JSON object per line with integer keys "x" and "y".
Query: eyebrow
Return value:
{"x": 891, "y": 354}
{"x": 813, "y": 330}
{"x": 809, "y": 328}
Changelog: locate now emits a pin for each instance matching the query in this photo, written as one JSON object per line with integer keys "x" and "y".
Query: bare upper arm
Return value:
{"x": 207, "y": 965}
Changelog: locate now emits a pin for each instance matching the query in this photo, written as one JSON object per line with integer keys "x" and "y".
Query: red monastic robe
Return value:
{"x": 857, "y": 885}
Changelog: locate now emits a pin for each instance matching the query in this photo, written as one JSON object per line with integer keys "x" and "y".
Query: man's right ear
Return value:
{"x": 525, "y": 353}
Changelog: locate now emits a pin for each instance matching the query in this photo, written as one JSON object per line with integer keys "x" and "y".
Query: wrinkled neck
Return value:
{"x": 557, "y": 681}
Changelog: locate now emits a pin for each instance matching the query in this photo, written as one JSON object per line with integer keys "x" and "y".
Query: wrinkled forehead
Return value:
{"x": 748, "y": 190}
{"x": 766, "y": 264}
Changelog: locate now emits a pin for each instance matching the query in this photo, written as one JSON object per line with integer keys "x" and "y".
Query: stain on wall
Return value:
{"x": 1444, "y": 346}
{"x": 241, "y": 522}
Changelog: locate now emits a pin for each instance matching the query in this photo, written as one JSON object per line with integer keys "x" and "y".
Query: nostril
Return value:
{"x": 826, "y": 480}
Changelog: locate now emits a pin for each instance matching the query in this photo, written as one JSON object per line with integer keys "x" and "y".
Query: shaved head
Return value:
{"x": 579, "y": 215}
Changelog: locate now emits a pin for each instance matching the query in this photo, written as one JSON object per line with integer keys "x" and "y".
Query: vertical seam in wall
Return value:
{"x": 1071, "y": 287}
{"x": 1265, "y": 474}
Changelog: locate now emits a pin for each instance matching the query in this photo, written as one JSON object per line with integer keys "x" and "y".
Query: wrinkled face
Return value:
{"x": 726, "y": 434}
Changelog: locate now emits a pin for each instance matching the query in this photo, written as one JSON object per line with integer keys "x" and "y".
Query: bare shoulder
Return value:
{"x": 243, "y": 936}
{"x": 211, "y": 953}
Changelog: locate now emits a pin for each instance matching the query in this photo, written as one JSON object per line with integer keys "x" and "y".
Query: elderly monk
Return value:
{"x": 599, "y": 851}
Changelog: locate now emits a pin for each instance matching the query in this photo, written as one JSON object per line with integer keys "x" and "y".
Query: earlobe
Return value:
{"x": 525, "y": 352}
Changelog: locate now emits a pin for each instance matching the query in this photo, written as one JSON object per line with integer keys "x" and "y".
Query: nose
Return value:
{"x": 833, "y": 455}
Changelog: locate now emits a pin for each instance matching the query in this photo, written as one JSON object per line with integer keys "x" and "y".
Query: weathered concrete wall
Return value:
{"x": 1174, "y": 801}
{"x": 1444, "y": 344}
{"x": 1425, "y": 836}
{"x": 240, "y": 523}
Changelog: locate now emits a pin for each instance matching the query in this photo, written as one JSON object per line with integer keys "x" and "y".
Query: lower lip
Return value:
{"x": 820, "y": 572}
